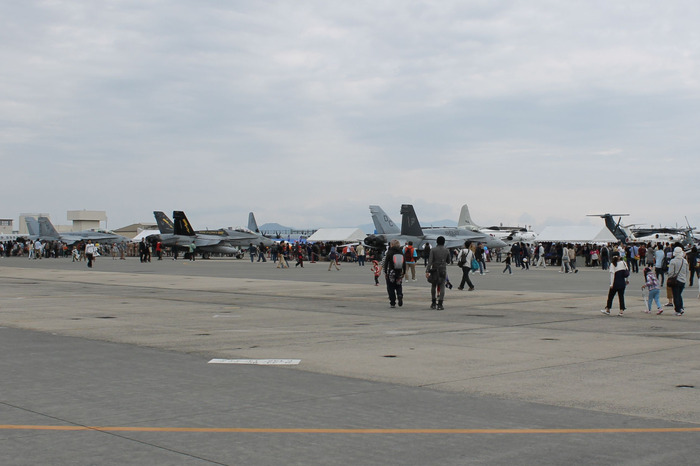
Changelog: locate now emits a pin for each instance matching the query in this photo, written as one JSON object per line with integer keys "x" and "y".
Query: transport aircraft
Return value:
{"x": 627, "y": 234}
{"x": 506, "y": 234}
{"x": 181, "y": 234}
{"x": 44, "y": 230}
{"x": 411, "y": 230}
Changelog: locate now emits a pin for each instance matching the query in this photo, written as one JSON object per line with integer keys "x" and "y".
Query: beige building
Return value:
{"x": 6, "y": 226}
{"x": 87, "y": 219}
{"x": 82, "y": 220}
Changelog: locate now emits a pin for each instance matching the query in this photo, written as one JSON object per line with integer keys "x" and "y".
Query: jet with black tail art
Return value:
{"x": 505, "y": 234}
{"x": 47, "y": 232}
{"x": 179, "y": 233}
{"x": 411, "y": 230}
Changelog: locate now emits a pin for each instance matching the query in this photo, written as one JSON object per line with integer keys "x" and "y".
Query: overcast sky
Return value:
{"x": 306, "y": 112}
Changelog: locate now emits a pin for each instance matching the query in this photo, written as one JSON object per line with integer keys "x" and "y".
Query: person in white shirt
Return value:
{"x": 89, "y": 253}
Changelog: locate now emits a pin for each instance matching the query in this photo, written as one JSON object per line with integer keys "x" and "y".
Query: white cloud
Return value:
{"x": 307, "y": 112}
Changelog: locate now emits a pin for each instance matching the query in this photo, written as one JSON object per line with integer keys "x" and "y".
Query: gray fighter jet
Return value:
{"x": 180, "y": 234}
{"x": 411, "y": 230}
{"x": 47, "y": 232}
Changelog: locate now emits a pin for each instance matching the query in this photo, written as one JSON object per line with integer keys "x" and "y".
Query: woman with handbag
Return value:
{"x": 618, "y": 282}
{"x": 465, "y": 259}
{"x": 677, "y": 276}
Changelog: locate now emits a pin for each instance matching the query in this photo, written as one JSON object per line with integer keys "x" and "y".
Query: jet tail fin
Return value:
{"x": 165, "y": 225}
{"x": 32, "y": 226}
{"x": 181, "y": 224}
{"x": 252, "y": 224}
{"x": 46, "y": 228}
{"x": 382, "y": 223}
{"x": 409, "y": 221}
{"x": 465, "y": 219}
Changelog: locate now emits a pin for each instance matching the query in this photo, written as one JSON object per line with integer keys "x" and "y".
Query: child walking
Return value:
{"x": 507, "y": 261}
{"x": 376, "y": 271}
{"x": 652, "y": 285}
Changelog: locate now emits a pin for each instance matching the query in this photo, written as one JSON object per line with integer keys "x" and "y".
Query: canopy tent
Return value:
{"x": 577, "y": 234}
{"x": 144, "y": 234}
{"x": 343, "y": 235}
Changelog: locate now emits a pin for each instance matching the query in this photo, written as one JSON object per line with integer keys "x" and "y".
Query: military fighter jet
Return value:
{"x": 47, "y": 232}
{"x": 411, "y": 231}
{"x": 180, "y": 234}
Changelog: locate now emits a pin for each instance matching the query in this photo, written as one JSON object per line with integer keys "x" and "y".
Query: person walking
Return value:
{"x": 572, "y": 258}
{"x": 540, "y": 259}
{"x": 438, "y": 260}
{"x": 361, "y": 255}
{"x": 677, "y": 277}
{"x": 466, "y": 256}
{"x": 659, "y": 266}
{"x": 692, "y": 259}
{"x": 652, "y": 286}
{"x": 507, "y": 262}
{"x": 376, "y": 271}
{"x": 564, "y": 259}
{"x": 394, "y": 267}
{"x": 333, "y": 257}
{"x": 618, "y": 282}
{"x": 409, "y": 258}
{"x": 89, "y": 253}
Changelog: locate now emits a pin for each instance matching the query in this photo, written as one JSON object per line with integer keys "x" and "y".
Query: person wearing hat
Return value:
{"x": 677, "y": 277}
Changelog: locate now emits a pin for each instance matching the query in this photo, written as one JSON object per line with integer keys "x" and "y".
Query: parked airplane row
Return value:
{"x": 180, "y": 233}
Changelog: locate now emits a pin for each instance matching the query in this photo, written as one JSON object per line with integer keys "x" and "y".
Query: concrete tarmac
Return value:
{"x": 111, "y": 366}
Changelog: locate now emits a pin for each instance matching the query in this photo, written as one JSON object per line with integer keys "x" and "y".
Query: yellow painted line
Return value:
{"x": 245, "y": 430}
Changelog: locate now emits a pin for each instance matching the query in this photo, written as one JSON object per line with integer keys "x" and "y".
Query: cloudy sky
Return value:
{"x": 306, "y": 112}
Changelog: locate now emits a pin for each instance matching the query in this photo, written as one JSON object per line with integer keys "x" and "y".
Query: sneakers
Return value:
{"x": 433, "y": 306}
{"x": 647, "y": 311}
{"x": 669, "y": 304}
{"x": 392, "y": 306}
{"x": 605, "y": 311}
{"x": 660, "y": 311}
{"x": 621, "y": 313}
{"x": 680, "y": 313}
{"x": 400, "y": 301}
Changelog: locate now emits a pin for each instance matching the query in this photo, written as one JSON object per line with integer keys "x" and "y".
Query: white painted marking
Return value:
{"x": 401, "y": 332}
{"x": 258, "y": 362}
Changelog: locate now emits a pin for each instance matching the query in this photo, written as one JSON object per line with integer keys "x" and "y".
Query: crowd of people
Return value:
{"x": 667, "y": 264}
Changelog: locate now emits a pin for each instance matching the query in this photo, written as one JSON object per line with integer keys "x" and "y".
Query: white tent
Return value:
{"x": 144, "y": 234}
{"x": 577, "y": 234}
{"x": 344, "y": 235}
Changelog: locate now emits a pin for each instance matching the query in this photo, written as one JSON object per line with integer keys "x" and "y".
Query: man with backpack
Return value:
{"x": 394, "y": 267}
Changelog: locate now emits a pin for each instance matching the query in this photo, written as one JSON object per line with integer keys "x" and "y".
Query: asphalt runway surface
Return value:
{"x": 114, "y": 366}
